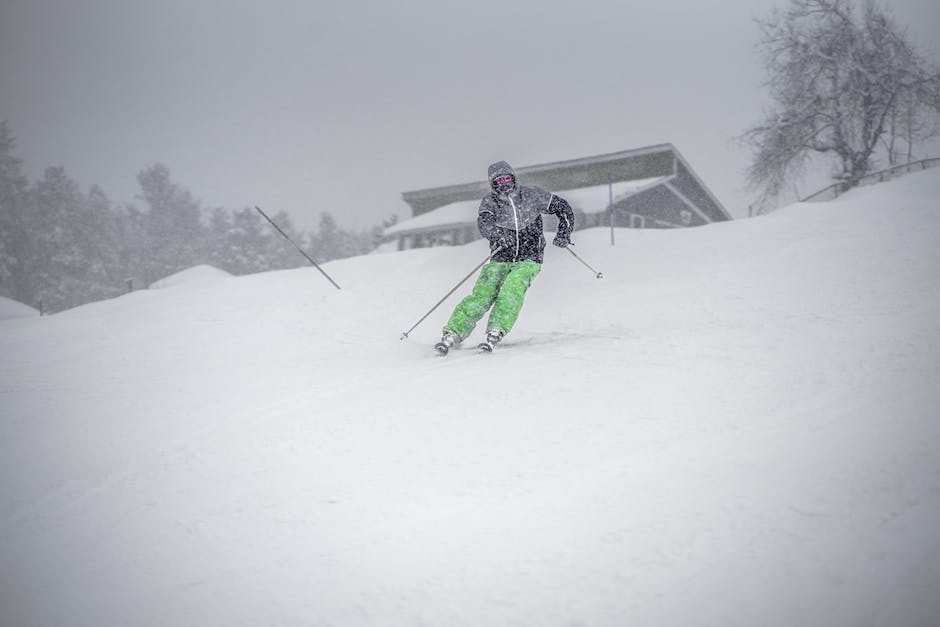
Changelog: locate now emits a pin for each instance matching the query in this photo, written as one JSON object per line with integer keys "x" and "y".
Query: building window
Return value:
{"x": 637, "y": 222}
{"x": 686, "y": 216}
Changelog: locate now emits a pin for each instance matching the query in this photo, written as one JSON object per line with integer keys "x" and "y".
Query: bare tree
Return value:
{"x": 843, "y": 80}
{"x": 911, "y": 122}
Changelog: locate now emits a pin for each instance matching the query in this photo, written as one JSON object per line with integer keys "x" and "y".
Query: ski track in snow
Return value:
{"x": 736, "y": 426}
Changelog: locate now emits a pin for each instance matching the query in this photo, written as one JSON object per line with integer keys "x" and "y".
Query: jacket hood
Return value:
{"x": 501, "y": 168}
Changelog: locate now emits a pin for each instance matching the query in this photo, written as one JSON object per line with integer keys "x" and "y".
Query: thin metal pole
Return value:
{"x": 610, "y": 189}
{"x": 462, "y": 281}
{"x": 599, "y": 275}
{"x": 297, "y": 247}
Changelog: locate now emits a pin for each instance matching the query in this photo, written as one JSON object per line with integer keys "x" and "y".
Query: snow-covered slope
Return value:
{"x": 10, "y": 308}
{"x": 738, "y": 425}
{"x": 191, "y": 277}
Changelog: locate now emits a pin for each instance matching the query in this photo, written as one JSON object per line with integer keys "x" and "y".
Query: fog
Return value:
{"x": 308, "y": 107}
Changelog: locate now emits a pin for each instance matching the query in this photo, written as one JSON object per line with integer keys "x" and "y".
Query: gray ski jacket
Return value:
{"x": 513, "y": 222}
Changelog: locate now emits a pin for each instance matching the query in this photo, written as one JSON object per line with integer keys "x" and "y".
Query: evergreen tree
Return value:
{"x": 327, "y": 243}
{"x": 131, "y": 228}
{"x": 220, "y": 224}
{"x": 175, "y": 236}
{"x": 332, "y": 242}
{"x": 54, "y": 255}
{"x": 13, "y": 187}
{"x": 65, "y": 248}
{"x": 247, "y": 244}
{"x": 100, "y": 246}
{"x": 282, "y": 254}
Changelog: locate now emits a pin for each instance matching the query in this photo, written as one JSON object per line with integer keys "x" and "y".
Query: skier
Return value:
{"x": 510, "y": 217}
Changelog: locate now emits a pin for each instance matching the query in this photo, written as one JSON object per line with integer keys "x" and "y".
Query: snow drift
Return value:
{"x": 10, "y": 308}
{"x": 191, "y": 277}
{"x": 738, "y": 425}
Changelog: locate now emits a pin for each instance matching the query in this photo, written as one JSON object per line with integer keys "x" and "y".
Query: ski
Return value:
{"x": 450, "y": 341}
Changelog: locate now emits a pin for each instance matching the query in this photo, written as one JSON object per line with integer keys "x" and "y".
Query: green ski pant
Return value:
{"x": 502, "y": 286}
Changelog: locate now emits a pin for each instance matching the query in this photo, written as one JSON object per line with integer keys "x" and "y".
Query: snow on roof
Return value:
{"x": 587, "y": 199}
{"x": 597, "y": 198}
{"x": 454, "y": 213}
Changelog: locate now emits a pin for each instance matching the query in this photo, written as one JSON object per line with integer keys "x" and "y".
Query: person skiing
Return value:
{"x": 510, "y": 217}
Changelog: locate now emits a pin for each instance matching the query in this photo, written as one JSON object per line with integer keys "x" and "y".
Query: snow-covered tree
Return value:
{"x": 282, "y": 253}
{"x": 54, "y": 257}
{"x": 220, "y": 223}
{"x": 332, "y": 242}
{"x": 13, "y": 186}
{"x": 838, "y": 75}
{"x": 99, "y": 242}
{"x": 176, "y": 238}
{"x": 131, "y": 226}
{"x": 57, "y": 245}
{"x": 247, "y": 244}
{"x": 328, "y": 242}
{"x": 66, "y": 248}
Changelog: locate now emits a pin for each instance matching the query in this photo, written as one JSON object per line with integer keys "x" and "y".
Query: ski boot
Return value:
{"x": 447, "y": 342}
{"x": 493, "y": 337}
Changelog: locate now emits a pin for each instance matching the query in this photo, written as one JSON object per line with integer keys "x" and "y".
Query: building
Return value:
{"x": 651, "y": 187}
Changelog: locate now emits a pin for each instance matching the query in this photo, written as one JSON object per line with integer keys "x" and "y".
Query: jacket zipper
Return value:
{"x": 515, "y": 219}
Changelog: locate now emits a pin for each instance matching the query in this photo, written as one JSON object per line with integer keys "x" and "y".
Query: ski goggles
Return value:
{"x": 504, "y": 184}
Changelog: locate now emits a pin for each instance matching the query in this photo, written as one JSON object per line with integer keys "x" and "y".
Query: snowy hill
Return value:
{"x": 10, "y": 308}
{"x": 738, "y": 425}
{"x": 194, "y": 276}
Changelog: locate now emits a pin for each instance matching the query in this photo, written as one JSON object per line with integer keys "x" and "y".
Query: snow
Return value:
{"x": 597, "y": 198}
{"x": 10, "y": 308}
{"x": 191, "y": 277}
{"x": 454, "y": 213}
{"x": 737, "y": 426}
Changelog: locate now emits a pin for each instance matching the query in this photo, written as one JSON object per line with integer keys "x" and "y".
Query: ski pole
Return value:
{"x": 462, "y": 281}
{"x": 297, "y": 247}
{"x": 599, "y": 275}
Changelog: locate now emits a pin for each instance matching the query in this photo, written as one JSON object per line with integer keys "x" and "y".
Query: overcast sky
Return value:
{"x": 308, "y": 107}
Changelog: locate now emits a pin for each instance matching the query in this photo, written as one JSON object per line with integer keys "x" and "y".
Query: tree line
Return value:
{"x": 62, "y": 247}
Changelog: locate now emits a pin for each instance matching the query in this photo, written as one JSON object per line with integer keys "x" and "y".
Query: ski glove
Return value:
{"x": 502, "y": 243}
{"x": 561, "y": 241}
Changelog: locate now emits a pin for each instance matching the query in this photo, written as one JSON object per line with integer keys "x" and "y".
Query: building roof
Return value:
{"x": 587, "y": 199}
{"x": 651, "y": 162}
{"x": 462, "y": 212}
